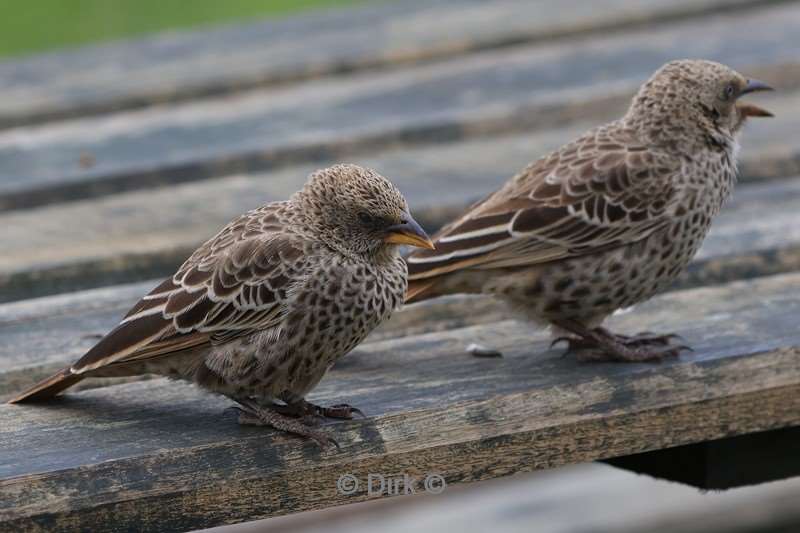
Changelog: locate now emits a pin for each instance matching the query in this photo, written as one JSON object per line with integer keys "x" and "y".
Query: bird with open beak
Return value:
{"x": 606, "y": 221}
{"x": 263, "y": 309}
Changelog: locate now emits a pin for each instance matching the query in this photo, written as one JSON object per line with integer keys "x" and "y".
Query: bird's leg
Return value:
{"x": 255, "y": 415}
{"x": 599, "y": 344}
{"x": 340, "y": 411}
{"x": 296, "y": 410}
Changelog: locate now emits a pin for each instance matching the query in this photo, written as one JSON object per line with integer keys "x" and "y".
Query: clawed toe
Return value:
{"x": 640, "y": 353}
{"x": 599, "y": 344}
{"x": 341, "y": 411}
{"x": 250, "y": 415}
{"x": 246, "y": 418}
{"x": 647, "y": 338}
{"x": 309, "y": 411}
{"x": 559, "y": 340}
{"x": 624, "y": 354}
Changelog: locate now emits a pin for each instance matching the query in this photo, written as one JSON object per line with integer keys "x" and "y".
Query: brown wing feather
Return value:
{"x": 597, "y": 192}
{"x": 234, "y": 284}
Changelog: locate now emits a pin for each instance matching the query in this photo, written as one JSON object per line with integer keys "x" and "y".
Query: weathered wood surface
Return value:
{"x": 160, "y": 454}
{"x": 496, "y": 90}
{"x": 141, "y": 234}
{"x": 181, "y": 65}
{"x": 164, "y": 140}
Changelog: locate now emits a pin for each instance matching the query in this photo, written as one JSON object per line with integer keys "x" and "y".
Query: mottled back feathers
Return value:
{"x": 240, "y": 280}
{"x": 603, "y": 189}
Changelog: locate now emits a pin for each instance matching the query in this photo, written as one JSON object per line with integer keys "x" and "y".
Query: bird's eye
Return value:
{"x": 365, "y": 218}
{"x": 729, "y": 91}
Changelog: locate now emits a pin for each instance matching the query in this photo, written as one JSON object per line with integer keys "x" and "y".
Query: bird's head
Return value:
{"x": 357, "y": 211}
{"x": 696, "y": 99}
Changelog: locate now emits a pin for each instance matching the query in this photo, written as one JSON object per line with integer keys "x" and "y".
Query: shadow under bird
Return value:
{"x": 608, "y": 220}
{"x": 261, "y": 311}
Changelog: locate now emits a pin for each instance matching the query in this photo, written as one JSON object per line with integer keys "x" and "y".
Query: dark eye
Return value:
{"x": 365, "y": 218}
{"x": 729, "y": 91}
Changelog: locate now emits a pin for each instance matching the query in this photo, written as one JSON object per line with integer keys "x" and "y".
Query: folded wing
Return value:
{"x": 598, "y": 192}
{"x": 235, "y": 284}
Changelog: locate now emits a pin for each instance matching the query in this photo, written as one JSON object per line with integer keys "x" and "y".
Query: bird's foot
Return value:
{"x": 599, "y": 344}
{"x": 251, "y": 414}
{"x": 648, "y": 338}
{"x": 639, "y": 348}
{"x": 341, "y": 411}
{"x": 299, "y": 407}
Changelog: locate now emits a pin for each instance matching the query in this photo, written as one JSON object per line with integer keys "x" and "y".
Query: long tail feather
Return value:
{"x": 48, "y": 388}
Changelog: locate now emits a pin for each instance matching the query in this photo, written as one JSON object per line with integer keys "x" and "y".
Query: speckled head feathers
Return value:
{"x": 353, "y": 208}
{"x": 694, "y": 99}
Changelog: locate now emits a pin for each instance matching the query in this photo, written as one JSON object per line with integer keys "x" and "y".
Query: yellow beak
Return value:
{"x": 408, "y": 232}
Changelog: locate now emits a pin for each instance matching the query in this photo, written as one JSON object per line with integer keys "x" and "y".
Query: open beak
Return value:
{"x": 408, "y": 232}
{"x": 751, "y": 110}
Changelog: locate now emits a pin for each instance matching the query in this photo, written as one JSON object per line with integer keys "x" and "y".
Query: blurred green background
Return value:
{"x": 28, "y": 26}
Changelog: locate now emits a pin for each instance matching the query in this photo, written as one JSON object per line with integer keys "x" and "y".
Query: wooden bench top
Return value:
{"x": 116, "y": 451}
{"x": 117, "y": 160}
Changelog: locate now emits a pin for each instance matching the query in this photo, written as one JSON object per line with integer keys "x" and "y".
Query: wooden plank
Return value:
{"x": 190, "y": 64}
{"x": 162, "y": 453}
{"x": 498, "y": 90}
{"x": 143, "y": 234}
{"x": 723, "y": 463}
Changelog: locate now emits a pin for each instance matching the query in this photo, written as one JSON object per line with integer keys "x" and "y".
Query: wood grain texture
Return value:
{"x": 157, "y": 454}
{"x": 181, "y": 65}
{"x": 496, "y": 90}
{"x": 143, "y": 234}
